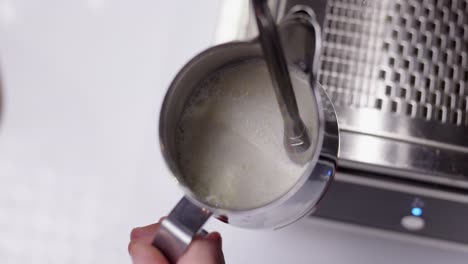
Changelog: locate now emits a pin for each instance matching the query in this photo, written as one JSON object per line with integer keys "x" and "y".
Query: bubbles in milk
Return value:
{"x": 230, "y": 140}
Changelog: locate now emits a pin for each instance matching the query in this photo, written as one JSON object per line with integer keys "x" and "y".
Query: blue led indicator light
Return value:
{"x": 329, "y": 172}
{"x": 416, "y": 211}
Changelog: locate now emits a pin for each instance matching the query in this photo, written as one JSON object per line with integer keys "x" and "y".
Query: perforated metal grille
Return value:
{"x": 405, "y": 57}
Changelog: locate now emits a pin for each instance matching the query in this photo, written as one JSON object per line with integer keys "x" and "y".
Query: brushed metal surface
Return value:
{"x": 397, "y": 73}
{"x": 403, "y": 57}
{"x": 398, "y": 70}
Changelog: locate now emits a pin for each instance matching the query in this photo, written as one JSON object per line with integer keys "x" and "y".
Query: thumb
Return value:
{"x": 204, "y": 250}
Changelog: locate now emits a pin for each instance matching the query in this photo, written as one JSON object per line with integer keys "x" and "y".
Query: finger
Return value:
{"x": 206, "y": 250}
{"x": 144, "y": 253}
{"x": 145, "y": 233}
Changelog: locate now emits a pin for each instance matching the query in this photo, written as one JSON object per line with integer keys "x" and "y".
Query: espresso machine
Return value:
{"x": 397, "y": 74}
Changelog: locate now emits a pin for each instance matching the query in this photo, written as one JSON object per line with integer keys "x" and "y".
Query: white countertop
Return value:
{"x": 82, "y": 84}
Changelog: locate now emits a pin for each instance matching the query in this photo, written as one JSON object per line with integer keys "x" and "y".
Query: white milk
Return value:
{"x": 230, "y": 140}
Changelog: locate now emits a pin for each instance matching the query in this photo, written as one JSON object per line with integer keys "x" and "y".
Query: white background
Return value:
{"x": 82, "y": 83}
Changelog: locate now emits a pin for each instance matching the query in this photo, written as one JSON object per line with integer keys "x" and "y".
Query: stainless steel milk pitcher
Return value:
{"x": 300, "y": 39}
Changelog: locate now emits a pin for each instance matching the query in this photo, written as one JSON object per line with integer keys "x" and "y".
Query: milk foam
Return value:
{"x": 230, "y": 140}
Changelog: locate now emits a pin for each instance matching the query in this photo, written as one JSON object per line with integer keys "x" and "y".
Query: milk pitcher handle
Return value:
{"x": 179, "y": 227}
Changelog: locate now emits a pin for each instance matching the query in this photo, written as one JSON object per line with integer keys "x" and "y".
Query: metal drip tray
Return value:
{"x": 403, "y": 57}
{"x": 397, "y": 73}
